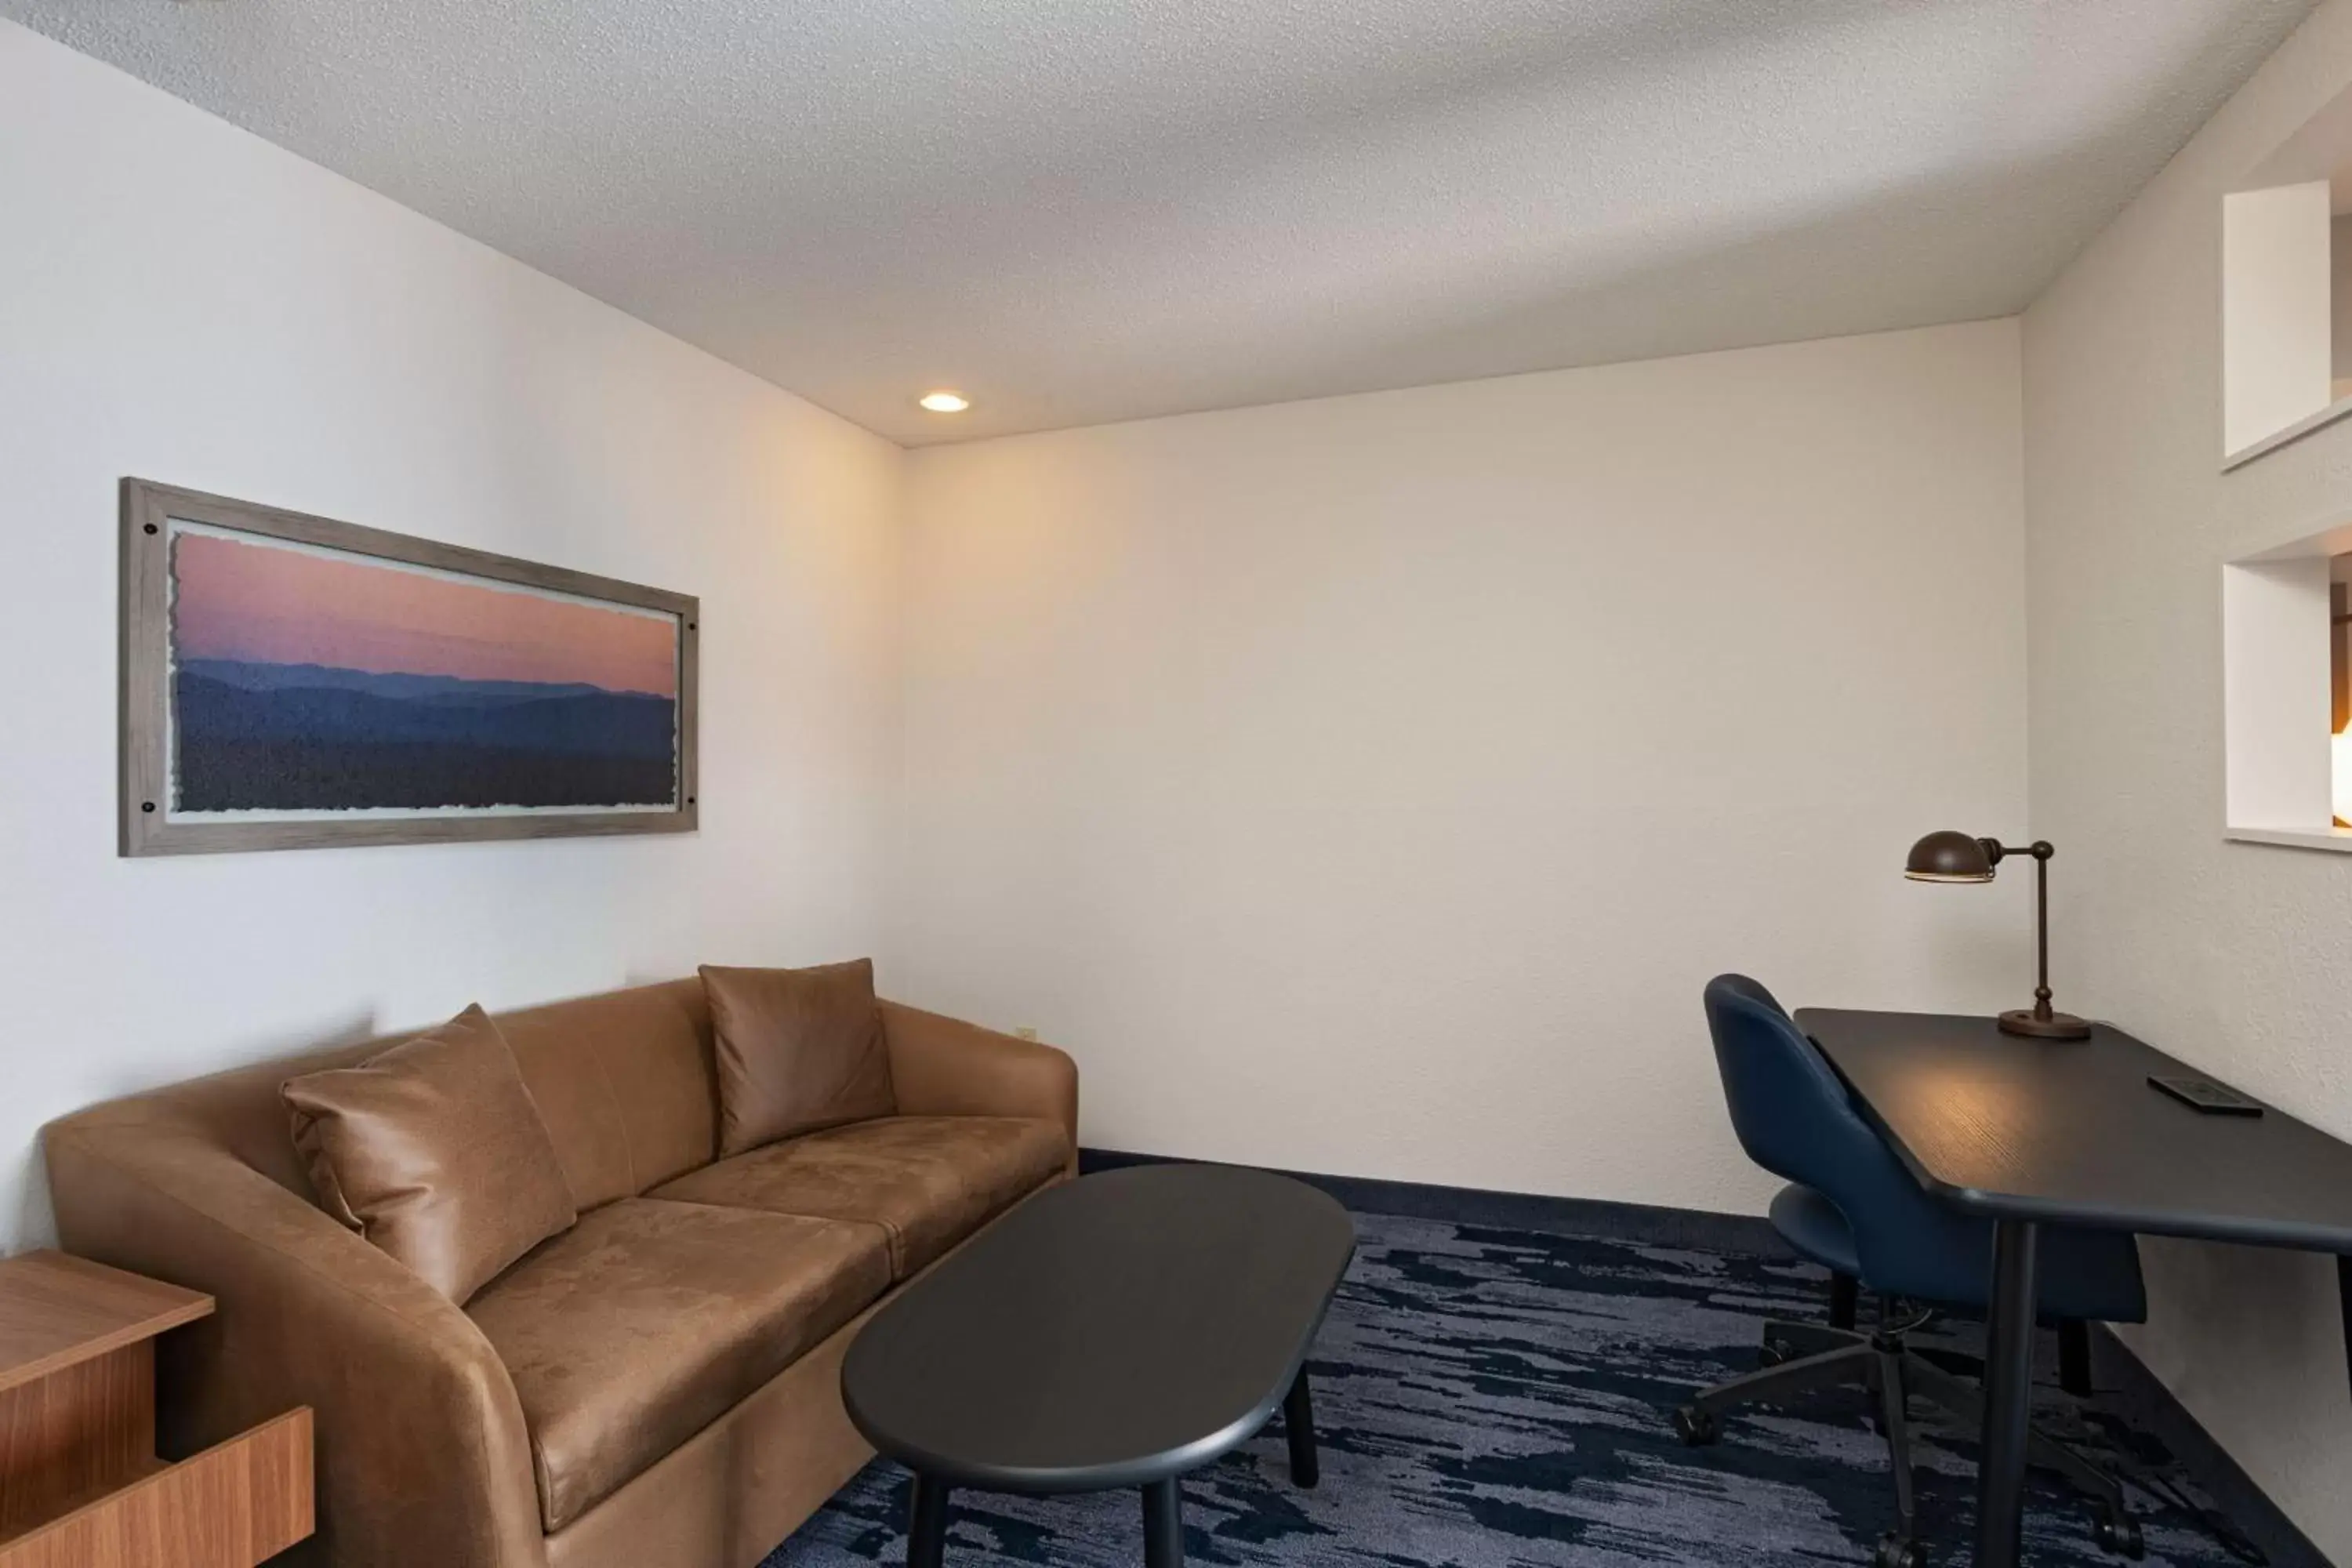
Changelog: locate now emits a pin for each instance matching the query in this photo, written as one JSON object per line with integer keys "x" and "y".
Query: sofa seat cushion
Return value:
{"x": 648, "y": 1319}
{"x": 928, "y": 1181}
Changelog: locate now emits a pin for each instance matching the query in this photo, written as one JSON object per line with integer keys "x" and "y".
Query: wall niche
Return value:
{"x": 2286, "y": 289}
{"x": 2286, "y": 692}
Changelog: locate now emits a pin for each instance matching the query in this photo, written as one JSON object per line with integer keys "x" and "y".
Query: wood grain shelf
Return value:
{"x": 56, "y": 1310}
{"x": 233, "y": 1506}
{"x": 81, "y": 1485}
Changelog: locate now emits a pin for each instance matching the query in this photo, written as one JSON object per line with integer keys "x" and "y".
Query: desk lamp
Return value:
{"x": 1950, "y": 856}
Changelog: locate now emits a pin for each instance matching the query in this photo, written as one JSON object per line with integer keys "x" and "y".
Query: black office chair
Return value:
{"x": 1854, "y": 1209}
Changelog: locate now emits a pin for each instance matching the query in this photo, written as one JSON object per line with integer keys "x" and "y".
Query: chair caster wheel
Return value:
{"x": 1896, "y": 1552}
{"x": 1775, "y": 1352}
{"x": 2120, "y": 1535}
{"x": 1695, "y": 1426}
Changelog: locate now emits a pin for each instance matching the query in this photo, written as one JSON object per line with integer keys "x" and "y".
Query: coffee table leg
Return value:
{"x": 1163, "y": 1525}
{"x": 926, "y": 1522}
{"x": 1298, "y": 1427}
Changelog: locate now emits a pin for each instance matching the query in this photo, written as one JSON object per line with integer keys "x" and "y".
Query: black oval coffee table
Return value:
{"x": 1116, "y": 1331}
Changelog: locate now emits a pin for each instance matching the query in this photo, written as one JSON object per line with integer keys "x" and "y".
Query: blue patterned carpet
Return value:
{"x": 1488, "y": 1398}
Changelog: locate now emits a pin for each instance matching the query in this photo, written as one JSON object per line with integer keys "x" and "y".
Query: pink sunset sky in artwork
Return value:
{"x": 267, "y": 604}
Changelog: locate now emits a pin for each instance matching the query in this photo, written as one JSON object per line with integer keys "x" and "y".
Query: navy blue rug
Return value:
{"x": 1487, "y": 1398}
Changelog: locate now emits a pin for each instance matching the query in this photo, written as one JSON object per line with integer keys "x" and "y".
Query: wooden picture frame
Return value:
{"x": 245, "y": 807}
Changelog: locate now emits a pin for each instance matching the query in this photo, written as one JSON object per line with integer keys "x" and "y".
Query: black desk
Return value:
{"x": 2028, "y": 1133}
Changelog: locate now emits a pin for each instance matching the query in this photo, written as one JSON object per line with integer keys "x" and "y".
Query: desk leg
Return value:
{"x": 2009, "y": 1394}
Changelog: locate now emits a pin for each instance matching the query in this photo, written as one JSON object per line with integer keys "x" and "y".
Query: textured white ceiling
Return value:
{"x": 1088, "y": 210}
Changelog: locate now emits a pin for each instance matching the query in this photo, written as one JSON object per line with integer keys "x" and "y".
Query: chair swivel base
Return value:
{"x": 1801, "y": 1357}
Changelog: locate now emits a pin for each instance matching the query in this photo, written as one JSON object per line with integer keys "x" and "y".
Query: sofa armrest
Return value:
{"x": 421, "y": 1456}
{"x": 945, "y": 1067}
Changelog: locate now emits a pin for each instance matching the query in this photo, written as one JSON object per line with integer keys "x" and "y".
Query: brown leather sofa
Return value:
{"x": 659, "y": 1385}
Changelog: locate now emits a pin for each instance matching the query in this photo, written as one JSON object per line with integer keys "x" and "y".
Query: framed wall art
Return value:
{"x": 290, "y": 682}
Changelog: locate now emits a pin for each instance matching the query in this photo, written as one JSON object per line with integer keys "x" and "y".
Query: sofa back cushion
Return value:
{"x": 434, "y": 1151}
{"x": 623, "y": 1080}
{"x": 798, "y": 1050}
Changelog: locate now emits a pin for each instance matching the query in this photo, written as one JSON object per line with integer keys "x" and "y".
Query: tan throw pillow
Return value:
{"x": 435, "y": 1152}
{"x": 798, "y": 1050}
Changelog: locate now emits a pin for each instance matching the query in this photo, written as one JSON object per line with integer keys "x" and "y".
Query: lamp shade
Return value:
{"x": 1948, "y": 857}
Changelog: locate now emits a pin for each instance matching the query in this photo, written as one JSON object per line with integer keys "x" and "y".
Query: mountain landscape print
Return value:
{"x": 310, "y": 680}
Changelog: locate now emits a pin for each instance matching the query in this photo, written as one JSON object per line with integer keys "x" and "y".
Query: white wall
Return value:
{"x": 1368, "y": 786}
{"x": 2233, "y": 956}
{"x": 182, "y": 301}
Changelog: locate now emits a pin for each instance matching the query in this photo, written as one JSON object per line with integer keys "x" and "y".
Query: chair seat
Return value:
{"x": 648, "y": 1320}
{"x": 2087, "y": 1276}
{"x": 927, "y": 1181}
{"x": 1811, "y": 1223}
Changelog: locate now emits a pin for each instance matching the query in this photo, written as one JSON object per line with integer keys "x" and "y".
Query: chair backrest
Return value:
{"x": 1791, "y": 1113}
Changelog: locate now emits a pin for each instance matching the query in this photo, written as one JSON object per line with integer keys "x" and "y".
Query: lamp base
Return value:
{"x": 2057, "y": 1027}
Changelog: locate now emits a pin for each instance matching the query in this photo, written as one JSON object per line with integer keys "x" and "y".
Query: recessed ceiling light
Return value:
{"x": 945, "y": 402}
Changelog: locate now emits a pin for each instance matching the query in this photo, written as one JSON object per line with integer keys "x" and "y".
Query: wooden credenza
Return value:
{"x": 79, "y": 1483}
